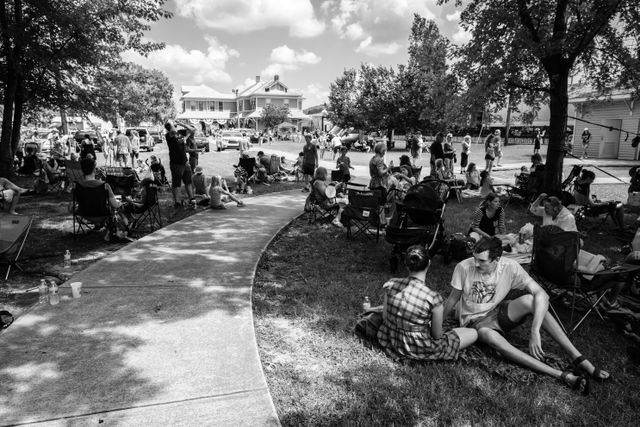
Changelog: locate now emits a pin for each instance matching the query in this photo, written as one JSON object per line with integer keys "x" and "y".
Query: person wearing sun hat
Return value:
{"x": 199, "y": 182}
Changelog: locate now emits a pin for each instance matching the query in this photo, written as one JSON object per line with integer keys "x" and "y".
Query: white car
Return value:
{"x": 230, "y": 139}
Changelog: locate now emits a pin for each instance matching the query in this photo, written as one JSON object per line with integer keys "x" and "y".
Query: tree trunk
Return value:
{"x": 18, "y": 109}
{"x": 507, "y": 128}
{"x": 558, "y": 107}
{"x": 6, "y": 153}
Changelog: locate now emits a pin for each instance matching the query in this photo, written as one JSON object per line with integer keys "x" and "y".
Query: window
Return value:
{"x": 193, "y": 105}
{"x": 220, "y": 106}
{"x": 200, "y": 105}
{"x": 211, "y": 105}
{"x": 268, "y": 101}
{"x": 286, "y": 102}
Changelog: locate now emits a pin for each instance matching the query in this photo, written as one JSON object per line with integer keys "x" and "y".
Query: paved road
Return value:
{"x": 162, "y": 335}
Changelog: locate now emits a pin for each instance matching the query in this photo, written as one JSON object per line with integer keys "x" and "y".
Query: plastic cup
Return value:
{"x": 76, "y": 287}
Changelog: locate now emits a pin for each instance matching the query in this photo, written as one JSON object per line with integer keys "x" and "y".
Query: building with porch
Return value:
{"x": 241, "y": 108}
{"x": 613, "y": 121}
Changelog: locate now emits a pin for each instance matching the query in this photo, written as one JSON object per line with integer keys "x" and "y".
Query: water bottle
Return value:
{"x": 54, "y": 296}
{"x": 366, "y": 304}
{"x": 67, "y": 259}
{"x": 43, "y": 291}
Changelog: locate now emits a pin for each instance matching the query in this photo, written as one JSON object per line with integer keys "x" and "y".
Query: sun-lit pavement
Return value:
{"x": 162, "y": 335}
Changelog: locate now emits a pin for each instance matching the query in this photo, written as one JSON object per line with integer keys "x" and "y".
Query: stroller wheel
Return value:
{"x": 393, "y": 264}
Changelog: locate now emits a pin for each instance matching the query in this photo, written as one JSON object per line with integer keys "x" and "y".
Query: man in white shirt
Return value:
{"x": 553, "y": 213}
{"x": 336, "y": 143}
{"x": 479, "y": 287}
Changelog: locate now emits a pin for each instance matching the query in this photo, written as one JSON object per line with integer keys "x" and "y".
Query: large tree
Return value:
{"x": 133, "y": 93}
{"x": 51, "y": 51}
{"x": 527, "y": 50}
{"x": 273, "y": 115}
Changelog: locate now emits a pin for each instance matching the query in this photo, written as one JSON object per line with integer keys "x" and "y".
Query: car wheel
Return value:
{"x": 218, "y": 149}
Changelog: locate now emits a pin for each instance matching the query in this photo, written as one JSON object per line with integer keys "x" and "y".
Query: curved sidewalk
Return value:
{"x": 162, "y": 335}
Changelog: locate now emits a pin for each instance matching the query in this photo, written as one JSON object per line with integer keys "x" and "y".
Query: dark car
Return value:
{"x": 97, "y": 140}
{"x": 157, "y": 135}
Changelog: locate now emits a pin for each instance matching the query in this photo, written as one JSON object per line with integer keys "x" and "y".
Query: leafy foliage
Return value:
{"x": 273, "y": 115}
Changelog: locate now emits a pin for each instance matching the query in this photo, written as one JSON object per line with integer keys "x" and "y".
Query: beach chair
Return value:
{"x": 14, "y": 230}
{"x": 363, "y": 213}
{"x": 91, "y": 208}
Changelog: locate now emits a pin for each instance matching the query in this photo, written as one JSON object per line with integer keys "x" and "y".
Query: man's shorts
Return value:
{"x": 180, "y": 174}
{"x": 134, "y": 155}
{"x": 308, "y": 169}
{"x": 497, "y": 319}
{"x": 123, "y": 157}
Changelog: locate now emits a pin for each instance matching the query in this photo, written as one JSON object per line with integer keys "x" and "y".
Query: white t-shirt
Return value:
{"x": 481, "y": 293}
{"x": 564, "y": 220}
{"x": 336, "y": 142}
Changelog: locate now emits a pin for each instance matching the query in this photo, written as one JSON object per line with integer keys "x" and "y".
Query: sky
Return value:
{"x": 225, "y": 44}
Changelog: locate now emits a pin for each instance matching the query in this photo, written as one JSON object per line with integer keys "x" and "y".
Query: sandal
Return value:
{"x": 581, "y": 384}
{"x": 595, "y": 374}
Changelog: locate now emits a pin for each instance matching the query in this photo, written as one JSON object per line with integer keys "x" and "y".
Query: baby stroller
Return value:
{"x": 418, "y": 219}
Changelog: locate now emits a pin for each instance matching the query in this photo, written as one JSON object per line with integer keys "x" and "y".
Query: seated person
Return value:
{"x": 88, "y": 166}
{"x": 297, "y": 166}
{"x": 319, "y": 186}
{"x": 242, "y": 177}
{"x": 153, "y": 160}
{"x": 30, "y": 163}
{"x": 473, "y": 177}
{"x": 536, "y": 160}
{"x": 263, "y": 165}
{"x": 199, "y": 182}
{"x": 553, "y": 213}
{"x": 488, "y": 219}
{"x": 412, "y": 316}
{"x": 140, "y": 203}
{"x": 141, "y": 167}
{"x": 582, "y": 195}
{"x": 52, "y": 169}
{"x": 10, "y": 194}
{"x": 480, "y": 286}
{"x": 219, "y": 193}
{"x": 445, "y": 174}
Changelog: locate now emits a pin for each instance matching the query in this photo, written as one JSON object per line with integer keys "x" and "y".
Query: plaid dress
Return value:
{"x": 406, "y": 330}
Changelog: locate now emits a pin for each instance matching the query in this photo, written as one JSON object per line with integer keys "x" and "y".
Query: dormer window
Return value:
{"x": 266, "y": 89}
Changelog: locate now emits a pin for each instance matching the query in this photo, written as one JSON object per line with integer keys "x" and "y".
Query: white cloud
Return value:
{"x": 244, "y": 16}
{"x": 455, "y": 16}
{"x": 461, "y": 37}
{"x": 376, "y": 49}
{"x": 283, "y": 58}
{"x": 192, "y": 66}
{"x": 315, "y": 94}
{"x": 380, "y": 26}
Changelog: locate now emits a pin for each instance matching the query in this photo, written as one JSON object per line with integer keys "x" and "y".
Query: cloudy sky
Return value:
{"x": 225, "y": 44}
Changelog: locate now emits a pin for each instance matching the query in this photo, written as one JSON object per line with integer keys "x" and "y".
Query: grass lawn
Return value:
{"x": 308, "y": 292}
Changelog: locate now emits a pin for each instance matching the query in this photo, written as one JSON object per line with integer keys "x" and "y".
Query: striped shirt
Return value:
{"x": 491, "y": 226}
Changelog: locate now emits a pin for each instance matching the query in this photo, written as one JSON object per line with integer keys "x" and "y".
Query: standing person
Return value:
{"x": 586, "y": 139}
{"x": 122, "y": 144}
{"x": 336, "y": 143}
{"x": 437, "y": 152}
{"x": 497, "y": 140}
{"x": 324, "y": 144}
{"x": 413, "y": 315}
{"x": 87, "y": 147}
{"x": 480, "y": 286}
{"x": 464, "y": 155}
{"x": 309, "y": 161}
{"x": 192, "y": 148}
{"x": 344, "y": 164}
{"x": 135, "y": 146}
{"x": 536, "y": 141}
{"x": 180, "y": 170}
{"x": 490, "y": 151}
{"x": 449, "y": 152}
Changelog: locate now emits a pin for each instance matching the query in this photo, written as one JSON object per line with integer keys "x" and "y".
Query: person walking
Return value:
{"x": 135, "y": 147}
{"x": 309, "y": 161}
{"x": 122, "y": 144}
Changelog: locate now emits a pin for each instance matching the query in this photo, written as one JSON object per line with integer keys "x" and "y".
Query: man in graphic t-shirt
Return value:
{"x": 180, "y": 169}
{"x": 479, "y": 287}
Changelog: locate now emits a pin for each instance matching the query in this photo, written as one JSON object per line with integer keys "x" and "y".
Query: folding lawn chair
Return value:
{"x": 554, "y": 264}
{"x": 122, "y": 185}
{"x": 322, "y": 211}
{"x": 91, "y": 208}
{"x": 73, "y": 173}
{"x": 14, "y": 230}
{"x": 363, "y": 213}
{"x": 149, "y": 212}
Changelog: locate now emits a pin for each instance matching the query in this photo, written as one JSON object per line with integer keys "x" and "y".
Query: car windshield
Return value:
{"x": 231, "y": 134}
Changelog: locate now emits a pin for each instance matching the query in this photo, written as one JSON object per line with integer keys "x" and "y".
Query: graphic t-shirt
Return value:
{"x": 481, "y": 293}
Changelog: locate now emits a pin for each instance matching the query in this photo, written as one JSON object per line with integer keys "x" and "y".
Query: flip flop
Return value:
{"x": 581, "y": 384}
{"x": 595, "y": 375}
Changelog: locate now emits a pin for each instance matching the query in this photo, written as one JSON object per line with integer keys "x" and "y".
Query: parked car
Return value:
{"x": 146, "y": 141}
{"x": 97, "y": 141}
{"x": 202, "y": 141}
{"x": 230, "y": 139}
{"x": 157, "y": 135}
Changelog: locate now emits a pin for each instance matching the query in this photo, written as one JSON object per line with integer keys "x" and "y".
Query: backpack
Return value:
{"x": 367, "y": 326}
{"x": 458, "y": 247}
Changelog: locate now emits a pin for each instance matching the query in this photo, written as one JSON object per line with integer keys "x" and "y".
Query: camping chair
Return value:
{"x": 55, "y": 181}
{"x": 519, "y": 192}
{"x": 91, "y": 207}
{"x": 148, "y": 212}
{"x": 249, "y": 165}
{"x": 14, "y": 230}
{"x": 364, "y": 213}
{"x": 317, "y": 212}
{"x": 554, "y": 264}
{"x": 73, "y": 173}
{"x": 122, "y": 185}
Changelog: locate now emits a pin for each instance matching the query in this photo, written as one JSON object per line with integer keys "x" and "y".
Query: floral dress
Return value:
{"x": 406, "y": 330}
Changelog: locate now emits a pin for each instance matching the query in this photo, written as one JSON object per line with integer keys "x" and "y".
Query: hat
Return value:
{"x": 198, "y": 170}
{"x": 496, "y": 132}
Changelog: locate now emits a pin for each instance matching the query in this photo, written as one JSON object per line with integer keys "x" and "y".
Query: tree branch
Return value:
{"x": 527, "y": 87}
{"x": 600, "y": 19}
{"x": 527, "y": 21}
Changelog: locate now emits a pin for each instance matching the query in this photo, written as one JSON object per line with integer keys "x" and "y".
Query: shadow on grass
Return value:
{"x": 307, "y": 294}
{"x": 164, "y": 319}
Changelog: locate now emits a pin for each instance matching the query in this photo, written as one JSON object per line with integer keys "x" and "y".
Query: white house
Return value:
{"x": 613, "y": 122}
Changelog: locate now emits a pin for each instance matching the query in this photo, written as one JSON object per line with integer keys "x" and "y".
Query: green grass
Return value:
{"x": 307, "y": 295}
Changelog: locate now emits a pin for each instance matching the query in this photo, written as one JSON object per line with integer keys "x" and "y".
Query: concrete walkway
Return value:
{"x": 162, "y": 335}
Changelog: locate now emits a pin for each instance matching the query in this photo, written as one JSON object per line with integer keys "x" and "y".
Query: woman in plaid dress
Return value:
{"x": 412, "y": 326}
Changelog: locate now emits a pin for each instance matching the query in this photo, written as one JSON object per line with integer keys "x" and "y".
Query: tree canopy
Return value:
{"x": 273, "y": 115}
{"x": 528, "y": 49}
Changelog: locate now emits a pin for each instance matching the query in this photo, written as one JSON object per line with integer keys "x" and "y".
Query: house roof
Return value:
{"x": 265, "y": 88}
{"x": 205, "y": 115}
{"x": 204, "y": 92}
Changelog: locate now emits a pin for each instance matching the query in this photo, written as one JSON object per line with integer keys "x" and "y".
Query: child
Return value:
{"x": 297, "y": 166}
{"x": 466, "y": 150}
{"x": 219, "y": 194}
{"x": 344, "y": 164}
